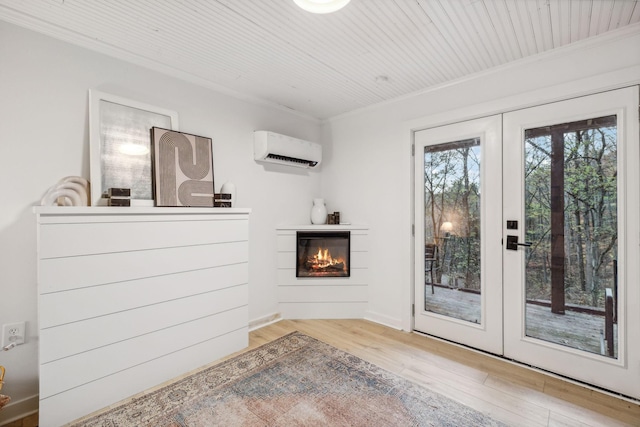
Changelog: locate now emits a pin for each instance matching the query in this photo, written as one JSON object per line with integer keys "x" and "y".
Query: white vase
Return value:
{"x": 230, "y": 188}
{"x": 318, "y": 212}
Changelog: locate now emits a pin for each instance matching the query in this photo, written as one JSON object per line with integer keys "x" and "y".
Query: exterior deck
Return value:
{"x": 578, "y": 330}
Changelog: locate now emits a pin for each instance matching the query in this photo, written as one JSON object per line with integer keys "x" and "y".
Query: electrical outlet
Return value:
{"x": 13, "y": 333}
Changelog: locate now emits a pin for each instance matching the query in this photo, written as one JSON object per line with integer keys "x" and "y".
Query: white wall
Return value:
{"x": 44, "y": 136}
{"x": 367, "y": 175}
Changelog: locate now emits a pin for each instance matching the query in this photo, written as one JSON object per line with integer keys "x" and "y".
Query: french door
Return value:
{"x": 573, "y": 296}
{"x": 561, "y": 288}
{"x": 458, "y": 183}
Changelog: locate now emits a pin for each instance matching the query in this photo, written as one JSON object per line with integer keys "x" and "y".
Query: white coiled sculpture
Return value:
{"x": 69, "y": 191}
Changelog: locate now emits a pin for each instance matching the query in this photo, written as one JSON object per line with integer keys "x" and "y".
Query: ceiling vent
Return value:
{"x": 271, "y": 147}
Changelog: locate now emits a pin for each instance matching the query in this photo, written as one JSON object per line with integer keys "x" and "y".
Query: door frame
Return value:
{"x": 561, "y": 92}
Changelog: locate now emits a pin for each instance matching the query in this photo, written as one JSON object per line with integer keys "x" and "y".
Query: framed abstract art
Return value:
{"x": 182, "y": 168}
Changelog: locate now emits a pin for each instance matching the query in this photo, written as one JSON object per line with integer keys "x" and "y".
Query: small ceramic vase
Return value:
{"x": 318, "y": 212}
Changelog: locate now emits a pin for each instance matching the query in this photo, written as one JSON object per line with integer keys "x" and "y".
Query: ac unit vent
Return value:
{"x": 271, "y": 147}
{"x": 291, "y": 159}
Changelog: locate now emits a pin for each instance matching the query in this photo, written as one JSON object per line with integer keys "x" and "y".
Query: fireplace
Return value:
{"x": 323, "y": 253}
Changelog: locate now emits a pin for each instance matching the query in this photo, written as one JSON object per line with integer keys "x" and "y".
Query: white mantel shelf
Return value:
{"x": 323, "y": 227}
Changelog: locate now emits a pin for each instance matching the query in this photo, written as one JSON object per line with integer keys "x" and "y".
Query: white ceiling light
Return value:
{"x": 321, "y": 6}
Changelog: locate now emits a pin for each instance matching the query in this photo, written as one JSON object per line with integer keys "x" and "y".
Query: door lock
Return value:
{"x": 512, "y": 243}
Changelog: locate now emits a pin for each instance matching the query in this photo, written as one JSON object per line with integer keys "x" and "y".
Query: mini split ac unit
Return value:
{"x": 270, "y": 147}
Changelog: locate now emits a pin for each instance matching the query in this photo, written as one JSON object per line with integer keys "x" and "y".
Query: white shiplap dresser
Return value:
{"x": 131, "y": 297}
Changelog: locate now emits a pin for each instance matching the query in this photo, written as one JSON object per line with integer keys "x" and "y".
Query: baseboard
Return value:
{"x": 19, "y": 409}
{"x": 264, "y": 321}
{"x": 383, "y": 320}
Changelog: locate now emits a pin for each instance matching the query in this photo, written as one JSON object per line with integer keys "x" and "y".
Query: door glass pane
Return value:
{"x": 571, "y": 223}
{"x": 452, "y": 229}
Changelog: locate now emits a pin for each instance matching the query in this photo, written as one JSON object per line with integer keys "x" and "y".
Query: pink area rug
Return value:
{"x": 295, "y": 380}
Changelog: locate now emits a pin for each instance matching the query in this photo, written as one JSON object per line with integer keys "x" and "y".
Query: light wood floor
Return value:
{"x": 515, "y": 395}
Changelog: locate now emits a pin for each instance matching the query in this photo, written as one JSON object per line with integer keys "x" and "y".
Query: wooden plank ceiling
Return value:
{"x": 322, "y": 65}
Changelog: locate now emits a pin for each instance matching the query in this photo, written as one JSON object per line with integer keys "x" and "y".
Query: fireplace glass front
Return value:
{"x": 323, "y": 253}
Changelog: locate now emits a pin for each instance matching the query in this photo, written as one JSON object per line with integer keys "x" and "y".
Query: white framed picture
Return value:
{"x": 120, "y": 145}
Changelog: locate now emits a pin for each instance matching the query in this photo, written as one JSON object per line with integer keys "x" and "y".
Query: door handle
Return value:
{"x": 512, "y": 243}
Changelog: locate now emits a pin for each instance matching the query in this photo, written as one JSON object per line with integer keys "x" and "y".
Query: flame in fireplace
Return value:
{"x": 324, "y": 256}
{"x": 323, "y": 261}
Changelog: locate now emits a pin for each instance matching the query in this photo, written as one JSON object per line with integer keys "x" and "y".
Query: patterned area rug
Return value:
{"x": 295, "y": 380}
